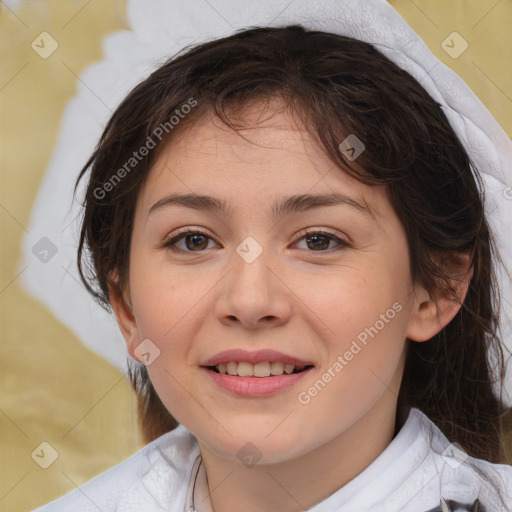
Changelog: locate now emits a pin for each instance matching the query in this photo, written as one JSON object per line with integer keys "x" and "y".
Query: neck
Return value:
{"x": 300, "y": 483}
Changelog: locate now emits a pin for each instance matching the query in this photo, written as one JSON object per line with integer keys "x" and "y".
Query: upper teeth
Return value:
{"x": 243, "y": 369}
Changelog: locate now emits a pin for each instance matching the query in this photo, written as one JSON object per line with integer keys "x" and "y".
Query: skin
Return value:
{"x": 307, "y": 302}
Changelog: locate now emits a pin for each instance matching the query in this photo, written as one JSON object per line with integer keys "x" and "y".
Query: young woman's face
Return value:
{"x": 337, "y": 299}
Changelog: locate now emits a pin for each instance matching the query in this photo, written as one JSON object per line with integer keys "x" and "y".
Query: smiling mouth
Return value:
{"x": 264, "y": 369}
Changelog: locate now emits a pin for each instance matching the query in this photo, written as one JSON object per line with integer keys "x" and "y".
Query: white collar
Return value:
{"x": 418, "y": 455}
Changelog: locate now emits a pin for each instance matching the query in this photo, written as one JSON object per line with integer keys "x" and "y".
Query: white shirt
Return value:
{"x": 416, "y": 470}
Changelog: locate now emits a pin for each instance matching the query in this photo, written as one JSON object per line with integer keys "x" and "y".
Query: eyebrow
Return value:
{"x": 281, "y": 207}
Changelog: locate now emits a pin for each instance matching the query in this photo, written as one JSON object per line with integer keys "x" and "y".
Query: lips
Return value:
{"x": 250, "y": 385}
{"x": 259, "y": 356}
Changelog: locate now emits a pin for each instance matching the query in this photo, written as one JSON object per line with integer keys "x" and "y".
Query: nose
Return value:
{"x": 254, "y": 294}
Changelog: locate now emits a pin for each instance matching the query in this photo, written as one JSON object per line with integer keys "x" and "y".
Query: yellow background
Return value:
{"x": 49, "y": 381}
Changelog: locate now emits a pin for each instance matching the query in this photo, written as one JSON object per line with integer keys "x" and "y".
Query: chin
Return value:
{"x": 252, "y": 446}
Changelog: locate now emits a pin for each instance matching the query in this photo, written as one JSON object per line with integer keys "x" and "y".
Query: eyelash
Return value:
{"x": 342, "y": 244}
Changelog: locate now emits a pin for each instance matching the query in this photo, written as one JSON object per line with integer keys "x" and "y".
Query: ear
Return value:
{"x": 122, "y": 308}
{"x": 431, "y": 314}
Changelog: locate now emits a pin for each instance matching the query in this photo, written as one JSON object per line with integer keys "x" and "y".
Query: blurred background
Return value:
{"x": 67, "y": 412}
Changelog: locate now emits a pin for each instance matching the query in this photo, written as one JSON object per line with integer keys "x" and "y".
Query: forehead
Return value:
{"x": 265, "y": 133}
{"x": 271, "y": 156}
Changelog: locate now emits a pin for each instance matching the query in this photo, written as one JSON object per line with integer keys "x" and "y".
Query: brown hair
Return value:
{"x": 337, "y": 86}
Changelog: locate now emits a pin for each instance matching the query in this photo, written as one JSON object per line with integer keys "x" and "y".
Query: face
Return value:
{"x": 324, "y": 284}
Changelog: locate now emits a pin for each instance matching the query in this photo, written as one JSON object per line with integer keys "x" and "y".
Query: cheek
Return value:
{"x": 365, "y": 316}
{"x": 169, "y": 307}
{"x": 364, "y": 353}
{"x": 164, "y": 315}
{"x": 165, "y": 302}
{"x": 356, "y": 303}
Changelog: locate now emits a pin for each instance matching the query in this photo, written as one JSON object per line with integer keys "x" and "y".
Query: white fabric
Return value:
{"x": 410, "y": 475}
{"x": 162, "y": 27}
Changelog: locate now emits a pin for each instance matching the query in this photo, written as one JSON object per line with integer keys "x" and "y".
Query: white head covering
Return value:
{"x": 160, "y": 29}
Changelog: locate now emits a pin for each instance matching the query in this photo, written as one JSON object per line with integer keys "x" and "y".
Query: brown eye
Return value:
{"x": 194, "y": 241}
{"x": 320, "y": 241}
